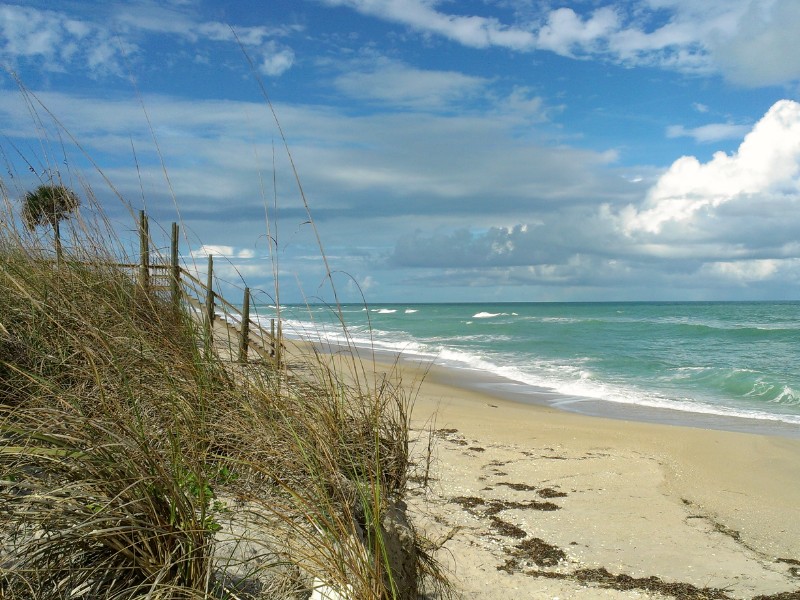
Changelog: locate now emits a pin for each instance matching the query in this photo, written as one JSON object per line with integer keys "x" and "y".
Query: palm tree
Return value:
{"x": 47, "y": 205}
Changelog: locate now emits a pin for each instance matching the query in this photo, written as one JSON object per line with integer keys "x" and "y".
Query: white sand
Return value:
{"x": 707, "y": 508}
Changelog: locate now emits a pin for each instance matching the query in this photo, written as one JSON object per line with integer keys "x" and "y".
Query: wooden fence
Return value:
{"x": 185, "y": 288}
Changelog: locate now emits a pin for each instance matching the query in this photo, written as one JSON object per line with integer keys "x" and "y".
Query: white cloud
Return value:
{"x": 743, "y": 271}
{"x": 566, "y": 33}
{"x": 765, "y": 167}
{"x": 213, "y": 250}
{"x": 713, "y": 132}
{"x": 277, "y": 59}
{"x": 380, "y": 175}
{"x": 398, "y": 84}
{"x": 751, "y": 43}
{"x": 151, "y": 17}
{"x": 393, "y": 83}
{"x": 219, "y": 250}
{"x": 523, "y": 102}
{"x": 59, "y": 43}
{"x": 474, "y": 31}
{"x": 274, "y": 58}
{"x": 375, "y": 165}
{"x": 762, "y": 49}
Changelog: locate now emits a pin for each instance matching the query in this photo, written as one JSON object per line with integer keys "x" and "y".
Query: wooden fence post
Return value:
{"x": 277, "y": 342}
{"x": 175, "y": 280}
{"x": 244, "y": 334}
{"x": 144, "y": 251}
{"x": 210, "y": 295}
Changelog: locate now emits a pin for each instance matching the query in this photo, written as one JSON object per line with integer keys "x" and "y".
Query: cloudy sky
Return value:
{"x": 448, "y": 150}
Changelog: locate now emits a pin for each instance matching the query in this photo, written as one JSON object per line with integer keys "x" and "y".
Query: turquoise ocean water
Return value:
{"x": 724, "y": 360}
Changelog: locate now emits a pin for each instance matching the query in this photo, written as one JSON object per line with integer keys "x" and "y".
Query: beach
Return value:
{"x": 536, "y": 502}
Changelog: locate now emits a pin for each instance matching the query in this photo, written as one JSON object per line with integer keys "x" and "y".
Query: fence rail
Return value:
{"x": 185, "y": 288}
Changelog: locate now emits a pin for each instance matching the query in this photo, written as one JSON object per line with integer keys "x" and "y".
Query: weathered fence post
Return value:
{"x": 275, "y": 337}
{"x": 210, "y": 296}
{"x": 144, "y": 251}
{"x": 244, "y": 334}
{"x": 175, "y": 279}
{"x": 277, "y": 342}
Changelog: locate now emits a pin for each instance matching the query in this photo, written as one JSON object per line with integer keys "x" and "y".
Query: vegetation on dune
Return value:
{"x": 134, "y": 464}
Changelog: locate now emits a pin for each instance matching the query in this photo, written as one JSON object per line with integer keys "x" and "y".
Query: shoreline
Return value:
{"x": 522, "y": 393}
{"x": 471, "y": 379}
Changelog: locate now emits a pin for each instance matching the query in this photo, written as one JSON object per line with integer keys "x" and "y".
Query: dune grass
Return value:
{"x": 134, "y": 464}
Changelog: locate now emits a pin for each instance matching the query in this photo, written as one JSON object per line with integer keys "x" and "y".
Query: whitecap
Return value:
{"x": 787, "y": 397}
{"x": 488, "y": 315}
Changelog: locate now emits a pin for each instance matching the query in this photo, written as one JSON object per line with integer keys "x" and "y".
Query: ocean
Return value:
{"x": 731, "y": 365}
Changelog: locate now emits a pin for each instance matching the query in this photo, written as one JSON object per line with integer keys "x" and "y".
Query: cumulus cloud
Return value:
{"x": 524, "y": 103}
{"x": 233, "y": 265}
{"x": 763, "y": 169}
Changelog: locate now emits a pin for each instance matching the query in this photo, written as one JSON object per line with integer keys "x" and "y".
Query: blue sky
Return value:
{"x": 448, "y": 150}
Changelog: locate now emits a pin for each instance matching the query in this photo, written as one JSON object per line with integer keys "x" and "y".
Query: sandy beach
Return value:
{"x": 535, "y": 502}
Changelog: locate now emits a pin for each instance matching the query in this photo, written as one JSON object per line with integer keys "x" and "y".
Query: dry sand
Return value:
{"x": 513, "y": 485}
{"x": 535, "y": 502}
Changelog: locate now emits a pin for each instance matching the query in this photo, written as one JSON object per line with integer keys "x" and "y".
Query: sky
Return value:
{"x": 446, "y": 150}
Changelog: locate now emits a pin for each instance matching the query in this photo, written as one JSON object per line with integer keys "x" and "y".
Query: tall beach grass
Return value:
{"x": 134, "y": 464}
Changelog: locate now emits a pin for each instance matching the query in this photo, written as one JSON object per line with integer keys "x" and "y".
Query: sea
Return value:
{"x": 726, "y": 365}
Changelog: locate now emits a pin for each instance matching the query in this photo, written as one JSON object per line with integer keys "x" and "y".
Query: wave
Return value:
{"x": 735, "y": 383}
{"x": 692, "y": 388}
{"x": 577, "y": 383}
{"x": 787, "y": 397}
